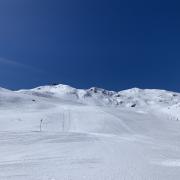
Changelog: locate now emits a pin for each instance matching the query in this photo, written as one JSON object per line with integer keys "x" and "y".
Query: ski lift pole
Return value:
{"x": 40, "y": 127}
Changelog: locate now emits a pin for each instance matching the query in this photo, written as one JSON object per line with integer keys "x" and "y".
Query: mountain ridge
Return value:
{"x": 133, "y": 96}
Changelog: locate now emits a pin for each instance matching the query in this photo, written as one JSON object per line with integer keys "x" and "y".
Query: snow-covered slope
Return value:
{"x": 62, "y": 133}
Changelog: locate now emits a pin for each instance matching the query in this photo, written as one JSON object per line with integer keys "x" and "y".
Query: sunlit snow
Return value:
{"x": 62, "y": 133}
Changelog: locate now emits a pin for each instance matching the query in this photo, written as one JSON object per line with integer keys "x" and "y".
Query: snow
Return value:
{"x": 89, "y": 134}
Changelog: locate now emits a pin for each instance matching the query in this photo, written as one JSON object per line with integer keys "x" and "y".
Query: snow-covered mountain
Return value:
{"x": 50, "y": 102}
{"x": 97, "y": 96}
{"x": 69, "y": 133}
{"x": 166, "y": 101}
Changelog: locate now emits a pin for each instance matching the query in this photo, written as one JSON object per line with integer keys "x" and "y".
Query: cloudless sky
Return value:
{"x": 113, "y": 44}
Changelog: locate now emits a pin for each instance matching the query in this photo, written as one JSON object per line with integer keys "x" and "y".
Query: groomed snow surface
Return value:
{"x": 62, "y": 133}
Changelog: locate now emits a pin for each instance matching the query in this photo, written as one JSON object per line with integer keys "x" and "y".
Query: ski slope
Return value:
{"x": 91, "y": 134}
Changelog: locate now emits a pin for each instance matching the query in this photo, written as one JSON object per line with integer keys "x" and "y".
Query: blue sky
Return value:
{"x": 110, "y": 44}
